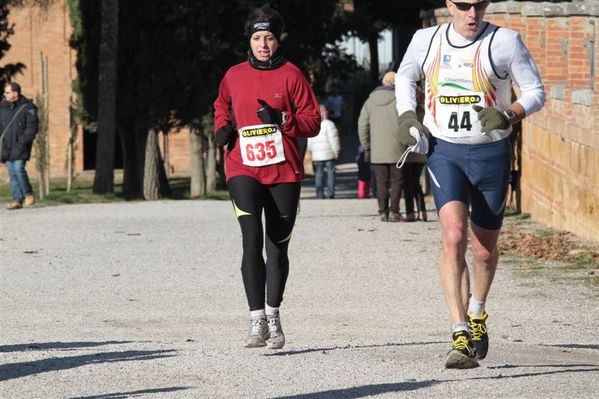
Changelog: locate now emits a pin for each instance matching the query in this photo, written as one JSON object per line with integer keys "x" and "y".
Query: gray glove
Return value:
{"x": 407, "y": 120}
{"x": 491, "y": 119}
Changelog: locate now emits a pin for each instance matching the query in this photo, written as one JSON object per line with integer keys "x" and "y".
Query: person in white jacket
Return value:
{"x": 325, "y": 151}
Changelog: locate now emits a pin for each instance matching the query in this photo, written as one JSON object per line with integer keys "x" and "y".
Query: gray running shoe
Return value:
{"x": 277, "y": 338}
{"x": 257, "y": 334}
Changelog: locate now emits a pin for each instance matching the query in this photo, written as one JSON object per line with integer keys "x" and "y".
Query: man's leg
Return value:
{"x": 484, "y": 260}
{"x": 397, "y": 184}
{"x": 23, "y": 178}
{"x": 382, "y": 189}
{"x": 452, "y": 263}
{"x": 484, "y": 264}
{"x": 15, "y": 186}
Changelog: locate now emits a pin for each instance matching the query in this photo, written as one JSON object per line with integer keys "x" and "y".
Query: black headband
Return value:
{"x": 271, "y": 26}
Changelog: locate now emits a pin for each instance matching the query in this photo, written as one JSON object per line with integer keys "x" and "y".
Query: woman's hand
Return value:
{"x": 224, "y": 135}
{"x": 268, "y": 114}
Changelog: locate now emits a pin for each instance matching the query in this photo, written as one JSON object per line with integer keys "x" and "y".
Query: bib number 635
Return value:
{"x": 261, "y": 151}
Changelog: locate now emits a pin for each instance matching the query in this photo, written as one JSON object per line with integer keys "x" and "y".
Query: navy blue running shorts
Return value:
{"x": 475, "y": 174}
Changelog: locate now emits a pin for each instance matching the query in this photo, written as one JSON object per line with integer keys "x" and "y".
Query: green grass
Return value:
{"x": 81, "y": 192}
{"x": 578, "y": 270}
{"x": 523, "y": 216}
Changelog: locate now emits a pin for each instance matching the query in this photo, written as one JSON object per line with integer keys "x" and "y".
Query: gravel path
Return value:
{"x": 145, "y": 300}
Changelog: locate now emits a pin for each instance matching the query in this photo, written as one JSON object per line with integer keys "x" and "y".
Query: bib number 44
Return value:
{"x": 464, "y": 123}
{"x": 261, "y": 151}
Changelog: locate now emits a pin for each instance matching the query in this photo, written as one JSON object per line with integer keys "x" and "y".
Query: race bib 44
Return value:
{"x": 261, "y": 145}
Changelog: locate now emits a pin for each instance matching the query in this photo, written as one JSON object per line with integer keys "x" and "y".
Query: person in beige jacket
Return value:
{"x": 378, "y": 130}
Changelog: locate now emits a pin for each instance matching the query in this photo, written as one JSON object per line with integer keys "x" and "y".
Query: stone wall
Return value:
{"x": 560, "y": 154}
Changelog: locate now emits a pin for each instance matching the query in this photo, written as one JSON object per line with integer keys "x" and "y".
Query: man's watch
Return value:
{"x": 510, "y": 115}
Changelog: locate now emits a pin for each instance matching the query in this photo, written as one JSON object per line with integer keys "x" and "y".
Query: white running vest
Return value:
{"x": 458, "y": 78}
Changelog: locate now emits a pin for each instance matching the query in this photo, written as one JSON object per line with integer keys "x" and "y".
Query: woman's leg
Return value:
{"x": 319, "y": 178}
{"x": 419, "y": 194}
{"x": 280, "y": 210}
{"x": 409, "y": 193}
{"x": 247, "y": 195}
{"x": 330, "y": 178}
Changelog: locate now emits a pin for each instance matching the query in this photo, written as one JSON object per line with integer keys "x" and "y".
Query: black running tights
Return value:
{"x": 279, "y": 202}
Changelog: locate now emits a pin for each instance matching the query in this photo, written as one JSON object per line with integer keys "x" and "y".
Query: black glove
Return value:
{"x": 224, "y": 135}
{"x": 491, "y": 119}
{"x": 407, "y": 120}
{"x": 268, "y": 114}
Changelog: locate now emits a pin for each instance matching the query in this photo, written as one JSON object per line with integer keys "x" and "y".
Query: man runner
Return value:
{"x": 468, "y": 66}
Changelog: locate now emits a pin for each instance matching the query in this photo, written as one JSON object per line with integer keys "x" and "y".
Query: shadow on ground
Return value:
{"x": 55, "y": 345}
{"x": 17, "y": 370}
{"x": 133, "y": 394}
{"x": 412, "y": 385}
{"x": 332, "y": 348}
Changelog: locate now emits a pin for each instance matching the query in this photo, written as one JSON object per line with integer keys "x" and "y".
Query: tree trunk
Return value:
{"x": 155, "y": 181}
{"x": 198, "y": 175}
{"x": 166, "y": 152}
{"x": 107, "y": 73}
{"x": 133, "y": 142}
{"x": 373, "y": 46}
{"x": 211, "y": 165}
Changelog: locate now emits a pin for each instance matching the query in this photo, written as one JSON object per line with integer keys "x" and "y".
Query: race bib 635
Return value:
{"x": 261, "y": 145}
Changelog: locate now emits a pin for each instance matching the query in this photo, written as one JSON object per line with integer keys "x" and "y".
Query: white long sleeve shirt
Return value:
{"x": 508, "y": 60}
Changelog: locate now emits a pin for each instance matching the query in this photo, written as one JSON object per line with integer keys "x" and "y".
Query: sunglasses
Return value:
{"x": 466, "y": 6}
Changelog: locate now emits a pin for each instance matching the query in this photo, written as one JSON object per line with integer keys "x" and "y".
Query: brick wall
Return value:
{"x": 48, "y": 31}
{"x": 560, "y": 155}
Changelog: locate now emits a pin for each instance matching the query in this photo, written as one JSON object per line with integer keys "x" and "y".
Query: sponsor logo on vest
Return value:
{"x": 467, "y": 63}
{"x": 258, "y": 132}
{"x": 459, "y": 99}
{"x": 446, "y": 58}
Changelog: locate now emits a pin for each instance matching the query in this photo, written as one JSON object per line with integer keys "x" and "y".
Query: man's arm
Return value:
{"x": 524, "y": 73}
{"x": 364, "y": 127}
{"x": 409, "y": 70}
{"x": 31, "y": 124}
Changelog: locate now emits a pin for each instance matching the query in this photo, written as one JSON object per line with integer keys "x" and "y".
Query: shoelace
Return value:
{"x": 273, "y": 325}
{"x": 477, "y": 330}
{"x": 461, "y": 343}
{"x": 255, "y": 327}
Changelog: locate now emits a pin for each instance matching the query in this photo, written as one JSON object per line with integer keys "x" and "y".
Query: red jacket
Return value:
{"x": 285, "y": 89}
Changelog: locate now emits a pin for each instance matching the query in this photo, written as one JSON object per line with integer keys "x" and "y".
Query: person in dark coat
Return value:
{"x": 18, "y": 127}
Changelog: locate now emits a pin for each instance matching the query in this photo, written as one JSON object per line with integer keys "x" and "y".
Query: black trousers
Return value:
{"x": 389, "y": 183}
{"x": 279, "y": 203}
{"x": 412, "y": 187}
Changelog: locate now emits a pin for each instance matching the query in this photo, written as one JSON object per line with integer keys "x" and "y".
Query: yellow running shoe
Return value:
{"x": 462, "y": 354}
{"x": 480, "y": 338}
